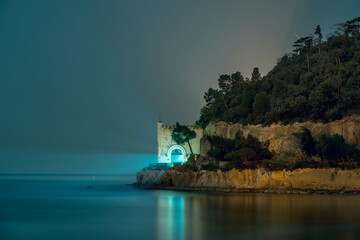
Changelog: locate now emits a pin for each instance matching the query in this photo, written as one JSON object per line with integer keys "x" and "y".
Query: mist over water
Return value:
{"x": 101, "y": 207}
{"x": 74, "y": 163}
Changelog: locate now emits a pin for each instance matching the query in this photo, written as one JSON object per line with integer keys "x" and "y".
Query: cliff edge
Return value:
{"x": 281, "y": 137}
{"x": 259, "y": 180}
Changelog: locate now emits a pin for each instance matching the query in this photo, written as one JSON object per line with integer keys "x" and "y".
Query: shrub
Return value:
{"x": 228, "y": 166}
{"x": 307, "y": 142}
{"x": 276, "y": 165}
{"x": 210, "y": 167}
{"x": 331, "y": 148}
{"x": 306, "y": 163}
{"x": 219, "y": 147}
{"x": 243, "y": 152}
{"x": 335, "y": 152}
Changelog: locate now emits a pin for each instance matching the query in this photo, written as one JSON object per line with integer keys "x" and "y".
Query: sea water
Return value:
{"x": 102, "y": 207}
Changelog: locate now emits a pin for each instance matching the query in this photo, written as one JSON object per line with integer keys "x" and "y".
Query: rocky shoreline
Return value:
{"x": 300, "y": 181}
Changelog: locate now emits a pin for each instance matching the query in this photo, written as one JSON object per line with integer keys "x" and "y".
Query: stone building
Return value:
{"x": 171, "y": 152}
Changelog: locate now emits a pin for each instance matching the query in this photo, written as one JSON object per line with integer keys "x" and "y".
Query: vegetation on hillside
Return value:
{"x": 333, "y": 150}
{"x": 249, "y": 153}
{"x": 241, "y": 152}
{"x": 320, "y": 80}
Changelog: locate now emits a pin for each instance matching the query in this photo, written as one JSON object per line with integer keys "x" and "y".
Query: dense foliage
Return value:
{"x": 242, "y": 152}
{"x": 307, "y": 142}
{"x": 333, "y": 150}
{"x": 182, "y": 134}
{"x": 249, "y": 153}
{"x": 319, "y": 81}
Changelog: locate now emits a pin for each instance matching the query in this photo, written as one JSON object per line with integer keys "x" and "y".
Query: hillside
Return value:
{"x": 319, "y": 81}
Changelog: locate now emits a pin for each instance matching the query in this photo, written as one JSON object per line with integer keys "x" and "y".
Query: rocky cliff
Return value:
{"x": 281, "y": 140}
{"x": 259, "y": 180}
{"x": 281, "y": 137}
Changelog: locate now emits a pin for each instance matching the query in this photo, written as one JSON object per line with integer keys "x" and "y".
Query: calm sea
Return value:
{"x": 88, "y": 207}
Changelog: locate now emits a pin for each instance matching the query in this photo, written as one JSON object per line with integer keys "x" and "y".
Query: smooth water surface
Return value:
{"x": 102, "y": 207}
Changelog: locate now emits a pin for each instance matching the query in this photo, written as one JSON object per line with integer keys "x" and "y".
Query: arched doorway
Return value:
{"x": 177, "y": 154}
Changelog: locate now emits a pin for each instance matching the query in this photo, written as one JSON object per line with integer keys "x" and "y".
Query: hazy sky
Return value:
{"x": 93, "y": 76}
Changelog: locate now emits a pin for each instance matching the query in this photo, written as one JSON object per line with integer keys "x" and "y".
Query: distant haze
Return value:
{"x": 94, "y": 76}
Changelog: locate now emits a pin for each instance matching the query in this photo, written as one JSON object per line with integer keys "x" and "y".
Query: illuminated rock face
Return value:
{"x": 258, "y": 180}
{"x": 169, "y": 151}
{"x": 281, "y": 138}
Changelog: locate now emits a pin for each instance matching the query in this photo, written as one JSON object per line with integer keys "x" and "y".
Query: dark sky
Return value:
{"x": 93, "y": 76}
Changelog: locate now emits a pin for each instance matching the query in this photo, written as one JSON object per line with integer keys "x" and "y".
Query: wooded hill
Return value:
{"x": 320, "y": 80}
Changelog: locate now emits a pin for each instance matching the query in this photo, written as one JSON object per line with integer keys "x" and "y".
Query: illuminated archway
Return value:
{"x": 177, "y": 154}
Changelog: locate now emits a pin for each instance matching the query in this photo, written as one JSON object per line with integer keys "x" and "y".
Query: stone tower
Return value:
{"x": 169, "y": 151}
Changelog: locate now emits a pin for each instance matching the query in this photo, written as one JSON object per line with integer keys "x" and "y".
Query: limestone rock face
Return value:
{"x": 255, "y": 180}
{"x": 148, "y": 177}
{"x": 281, "y": 137}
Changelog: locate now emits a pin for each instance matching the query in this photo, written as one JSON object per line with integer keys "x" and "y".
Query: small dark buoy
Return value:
{"x": 90, "y": 187}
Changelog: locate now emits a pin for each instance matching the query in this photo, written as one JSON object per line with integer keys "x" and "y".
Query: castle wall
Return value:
{"x": 165, "y": 142}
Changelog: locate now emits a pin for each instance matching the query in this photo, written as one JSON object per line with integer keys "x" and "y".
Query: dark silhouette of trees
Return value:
{"x": 304, "y": 44}
{"x": 319, "y": 37}
{"x": 320, "y": 81}
{"x": 242, "y": 152}
{"x": 182, "y": 134}
{"x": 260, "y": 107}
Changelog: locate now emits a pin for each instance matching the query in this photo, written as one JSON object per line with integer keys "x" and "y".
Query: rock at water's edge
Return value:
{"x": 309, "y": 180}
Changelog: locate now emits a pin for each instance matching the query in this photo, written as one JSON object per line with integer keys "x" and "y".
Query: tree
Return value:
{"x": 220, "y": 147}
{"x": 260, "y": 107}
{"x": 182, "y": 134}
{"x": 354, "y": 26}
{"x": 321, "y": 81}
{"x": 304, "y": 43}
{"x": 255, "y": 76}
{"x": 319, "y": 34}
{"x": 246, "y": 100}
{"x": 237, "y": 80}
{"x": 243, "y": 152}
{"x": 307, "y": 142}
{"x": 215, "y": 103}
{"x": 332, "y": 148}
{"x": 351, "y": 26}
{"x": 255, "y": 79}
{"x": 225, "y": 83}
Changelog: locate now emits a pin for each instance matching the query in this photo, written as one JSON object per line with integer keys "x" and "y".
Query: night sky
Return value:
{"x": 92, "y": 77}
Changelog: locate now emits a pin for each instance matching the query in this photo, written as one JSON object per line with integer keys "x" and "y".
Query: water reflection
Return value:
{"x": 63, "y": 207}
{"x": 170, "y": 217}
{"x": 256, "y": 216}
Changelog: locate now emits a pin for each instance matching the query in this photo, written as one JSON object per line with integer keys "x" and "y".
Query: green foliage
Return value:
{"x": 333, "y": 150}
{"x": 280, "y": 164}
{"x": 210, "y": 167}
{"x": 306, "y": 163}
{"x": 228, "y": 166}
{"x": 307, "y": 142}
{"x": 276, "y": 165}
{"x": 260, "y": 107}
{"x": 182, "y": 134}
{"x": 320, "y": 81}
{"x": 243, "y": 152}
{"x": 220, "y": 146}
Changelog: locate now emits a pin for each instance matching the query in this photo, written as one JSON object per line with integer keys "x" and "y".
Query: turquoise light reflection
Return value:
{"x": 170, "y": 219}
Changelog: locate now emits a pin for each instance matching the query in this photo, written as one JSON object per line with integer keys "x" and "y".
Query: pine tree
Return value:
{"x": 182, "y": 134}
{"x": 319, "y": 34}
